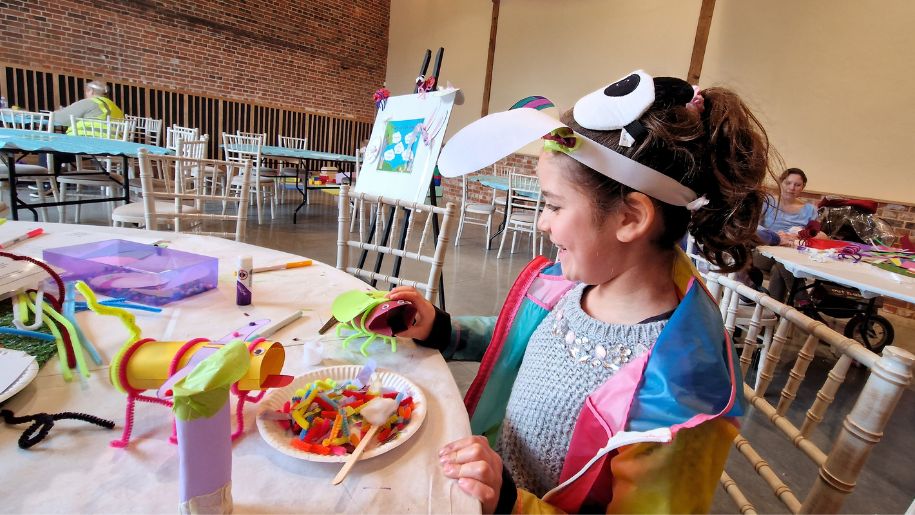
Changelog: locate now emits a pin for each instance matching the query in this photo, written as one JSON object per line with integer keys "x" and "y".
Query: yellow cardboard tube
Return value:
{"x": 148, "y": 366}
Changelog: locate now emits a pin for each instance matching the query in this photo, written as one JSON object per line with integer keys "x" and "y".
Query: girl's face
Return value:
{"x": 569, "y": 219}
{"x": 793, "y": 185}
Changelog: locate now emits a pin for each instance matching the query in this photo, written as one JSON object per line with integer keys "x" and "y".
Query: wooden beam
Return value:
{"x": 487, "y": 84}
{"x": 699, "y": 44}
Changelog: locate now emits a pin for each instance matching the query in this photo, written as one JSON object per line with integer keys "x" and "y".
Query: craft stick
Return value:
{"x": 267, "y": 331}
{"x": 328, "y": 325}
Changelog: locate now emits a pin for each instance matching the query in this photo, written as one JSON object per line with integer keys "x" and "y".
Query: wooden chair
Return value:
{"x": 756, "y": 323}
{"x": 106, "y": 185}
{"x": 864, "y": 424}
{"x": 176, "y": 132}
{"x": 239, "y": 148}
{"x": 419, "y": 247}
{"x": 162, "y": 180}
{"x": 291, "y": 142}
{"x": 499, "y": 197}
{"x": 474, "y": 213}
{"x": 290, "y": 169}
{"x": 31, "y": 121}
{"x": 524, "y": 204}
{"x": 194, "y": 203}
{"x": 147, "y": 131}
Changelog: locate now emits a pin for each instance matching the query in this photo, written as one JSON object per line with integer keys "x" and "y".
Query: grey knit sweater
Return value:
{"x": 569, "y": 356}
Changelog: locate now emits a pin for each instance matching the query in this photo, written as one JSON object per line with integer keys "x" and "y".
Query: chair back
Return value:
{"x": 198, "y": 200}
{"x": 262, "y": 136}
{"x": 420, "y": 246}
{"x": 524, "y": 193}
{"x": 120, "y": 130}
{"x": 864, "y": 423}
{"x": 239, "y": 148}
{"x": 27, "y": 120}
{"x": 147, "y": 131}
{"x": 193, "y": 148}
{"x": 296, "y": 143}
{"x": 177, "y": 132}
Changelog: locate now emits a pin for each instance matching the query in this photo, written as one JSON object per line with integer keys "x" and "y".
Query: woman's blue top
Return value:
{"x": 777, "y": 220}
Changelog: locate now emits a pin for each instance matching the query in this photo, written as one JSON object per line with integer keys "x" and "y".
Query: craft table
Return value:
{"x": 75, "y": 470}
{"x": 284, "y": 153}
{"x": 869, "y": 280}
{"x": 13, "y": 141}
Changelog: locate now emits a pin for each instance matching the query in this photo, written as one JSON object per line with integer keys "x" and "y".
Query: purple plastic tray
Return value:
{"x": 141, "y": 273}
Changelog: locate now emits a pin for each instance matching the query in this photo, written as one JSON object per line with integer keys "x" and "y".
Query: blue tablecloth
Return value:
{"x": 38, "y": 141}
{"x": 497, "y": 182}
{"x": 293, "y": 153}
{"x": 20, "y": 118}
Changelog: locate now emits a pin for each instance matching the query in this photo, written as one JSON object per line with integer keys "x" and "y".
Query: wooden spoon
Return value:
{"x": 376, "y": 412}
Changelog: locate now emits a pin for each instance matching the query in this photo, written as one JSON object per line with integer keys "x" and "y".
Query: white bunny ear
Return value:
{"x": 617, "y": 105}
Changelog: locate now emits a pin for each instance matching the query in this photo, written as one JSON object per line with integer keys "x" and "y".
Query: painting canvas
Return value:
{"x": 401, "y": 137}
{"x": 402, "y": 151}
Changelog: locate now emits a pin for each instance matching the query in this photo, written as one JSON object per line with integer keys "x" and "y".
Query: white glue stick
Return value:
{"x": 243, "y": 281}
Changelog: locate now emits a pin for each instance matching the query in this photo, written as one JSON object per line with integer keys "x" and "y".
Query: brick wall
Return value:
{"x": 899, "y": 215}
{"x": 326, "y": 56}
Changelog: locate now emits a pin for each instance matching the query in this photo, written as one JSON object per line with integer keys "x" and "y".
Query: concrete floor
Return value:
{"x": 476, "y": 283}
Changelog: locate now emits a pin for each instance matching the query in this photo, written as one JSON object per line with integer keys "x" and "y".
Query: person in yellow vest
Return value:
{"x": 96, "y": 105}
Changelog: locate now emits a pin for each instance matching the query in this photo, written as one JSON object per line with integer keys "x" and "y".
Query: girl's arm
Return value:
{"x": 461, "y": 339}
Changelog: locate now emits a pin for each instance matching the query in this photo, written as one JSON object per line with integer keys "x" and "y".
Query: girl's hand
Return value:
{"x": 477, "y": 468}
{"x": 425, "y": 312}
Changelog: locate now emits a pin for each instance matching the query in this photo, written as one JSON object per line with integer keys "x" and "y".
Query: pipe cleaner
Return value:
{"x": 43, "y": 422}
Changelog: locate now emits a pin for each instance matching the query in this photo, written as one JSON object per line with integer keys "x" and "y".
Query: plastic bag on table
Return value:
{"x": 853, "y": 220}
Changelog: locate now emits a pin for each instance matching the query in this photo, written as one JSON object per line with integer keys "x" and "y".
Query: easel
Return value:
{"x": 436, "y": 69}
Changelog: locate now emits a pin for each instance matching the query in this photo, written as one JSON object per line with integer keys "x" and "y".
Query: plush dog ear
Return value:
{"x": 617, "y": 105}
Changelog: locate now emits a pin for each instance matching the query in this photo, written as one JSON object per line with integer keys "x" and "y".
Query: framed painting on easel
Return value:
{"x": 403, "y": 149}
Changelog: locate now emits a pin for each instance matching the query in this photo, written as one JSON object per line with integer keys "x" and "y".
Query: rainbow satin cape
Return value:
{"x": 655, "y": 436}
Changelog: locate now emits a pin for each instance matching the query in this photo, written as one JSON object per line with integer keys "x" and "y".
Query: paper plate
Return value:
{"x": 279, "y": 438}
{"x": 24, "y": 379}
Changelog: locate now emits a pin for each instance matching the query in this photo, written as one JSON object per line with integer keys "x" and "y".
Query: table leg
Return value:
{"x": 15, "y": 202}
{"x": 303, "y": 191}
{"x": 501, "y": 224}
{"x": 125, "y": 181}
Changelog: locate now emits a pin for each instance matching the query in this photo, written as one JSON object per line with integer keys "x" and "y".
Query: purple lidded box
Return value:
{"x": 135, "y": 271}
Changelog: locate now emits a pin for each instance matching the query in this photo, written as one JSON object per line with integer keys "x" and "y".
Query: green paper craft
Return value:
{"x": 204, "y": 391}
{"x": 890, "y": 267}
{"x": 356, "y": 311}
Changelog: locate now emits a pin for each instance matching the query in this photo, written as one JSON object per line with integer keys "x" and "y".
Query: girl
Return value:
{"x": 607, "y": 382}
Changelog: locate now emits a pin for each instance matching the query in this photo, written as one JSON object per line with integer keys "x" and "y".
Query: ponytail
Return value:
{"x": 734, "y": 166}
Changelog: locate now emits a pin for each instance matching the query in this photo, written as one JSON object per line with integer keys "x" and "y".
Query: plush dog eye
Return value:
{"x": 258, "y": 352}
{"x": 623, "y": 87}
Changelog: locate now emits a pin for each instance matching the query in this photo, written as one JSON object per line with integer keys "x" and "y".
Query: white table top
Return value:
{"x": 869, "y": 280}
{"x": 74, "y": 470}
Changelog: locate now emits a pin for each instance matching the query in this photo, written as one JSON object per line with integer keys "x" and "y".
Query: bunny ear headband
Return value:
{"x": 615, "y": 107}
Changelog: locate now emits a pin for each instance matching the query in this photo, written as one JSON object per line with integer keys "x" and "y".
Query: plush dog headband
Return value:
{"x": 615, "y": 107}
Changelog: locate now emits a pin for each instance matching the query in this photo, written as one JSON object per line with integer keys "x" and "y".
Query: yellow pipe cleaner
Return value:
{"x": 126, "y": 318}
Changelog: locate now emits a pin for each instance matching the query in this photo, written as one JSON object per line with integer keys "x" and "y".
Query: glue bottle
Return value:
{"x": 243, "y": 281}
